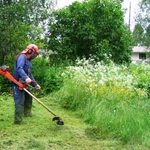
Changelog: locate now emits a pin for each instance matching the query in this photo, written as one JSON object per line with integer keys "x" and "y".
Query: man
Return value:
{"x": 22, "y": 71}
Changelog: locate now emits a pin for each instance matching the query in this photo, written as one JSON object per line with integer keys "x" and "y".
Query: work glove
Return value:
{"x": 28, "y": 81}
{"x": 37, "y": 87}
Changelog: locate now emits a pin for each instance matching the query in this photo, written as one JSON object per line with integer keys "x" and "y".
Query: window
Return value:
{"x": 142, "y": 56}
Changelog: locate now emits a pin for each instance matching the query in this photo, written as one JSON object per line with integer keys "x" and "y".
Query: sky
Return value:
{"x": 134, "y": 9}
{"x": 63, "y": 3}
{"x": 126, "y": 4}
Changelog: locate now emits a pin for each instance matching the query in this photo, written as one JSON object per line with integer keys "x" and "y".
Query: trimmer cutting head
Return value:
{"x": 59, "y": 120}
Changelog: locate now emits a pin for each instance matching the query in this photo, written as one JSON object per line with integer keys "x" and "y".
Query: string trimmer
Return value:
{"x": 5, "y": 71}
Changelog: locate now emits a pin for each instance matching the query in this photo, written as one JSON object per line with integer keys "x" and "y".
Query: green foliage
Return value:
{"x": 48, "y": 77}
{"x": 142, "y": 29}
{"x": 141, "y": 76}
{"x": 138, "y": 35}
{"x": 1, "y": 60}
{"x": 90, "y": 28}
{"x": 41, "y": 133}
{"x": 5, "y": 84}
{"x": 118, "y": 113}
{"x": 112, "y": 99}
{"x": 20, "y": 24}
{"x": 147, "y": 36}
{"x": 53, "y": 79}
{"x": 141, "y": 35}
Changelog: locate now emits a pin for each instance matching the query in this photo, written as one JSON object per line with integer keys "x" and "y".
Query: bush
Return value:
{"x": 141, "y": 73}
{"x": 98, "y": 31}
{"x": 5, "y": 84}
{"x": 48, "y": 77}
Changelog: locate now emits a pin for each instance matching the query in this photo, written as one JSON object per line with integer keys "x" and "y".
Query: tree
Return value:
{"x": 21, "y": 22}
{"x": 143, "y": 20}
{"x": 146, "y": 41}
{"x": 92, "y": 27}
{"x": 138, "y": 35}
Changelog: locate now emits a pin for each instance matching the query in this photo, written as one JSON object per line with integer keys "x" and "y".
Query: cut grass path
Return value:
{"x": 40, "y": 133}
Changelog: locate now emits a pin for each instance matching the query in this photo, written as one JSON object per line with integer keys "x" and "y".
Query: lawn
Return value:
{"x": 41, "y": 133}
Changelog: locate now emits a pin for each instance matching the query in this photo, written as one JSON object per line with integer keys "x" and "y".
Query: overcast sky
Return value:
{"x": 134, "y": 10}
{"x": 126, "y": 4}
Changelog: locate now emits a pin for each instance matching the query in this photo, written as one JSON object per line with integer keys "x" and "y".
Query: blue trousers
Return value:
{"x": 23, "y": 104}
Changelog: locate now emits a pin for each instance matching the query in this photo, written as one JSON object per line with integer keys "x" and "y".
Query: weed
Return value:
{"x": 108, "y": 98}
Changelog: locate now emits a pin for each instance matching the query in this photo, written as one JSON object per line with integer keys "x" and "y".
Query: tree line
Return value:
{"x": 21, "y": 22}
{"x": 92, "y": 27}
{"x": 141, "y": 32}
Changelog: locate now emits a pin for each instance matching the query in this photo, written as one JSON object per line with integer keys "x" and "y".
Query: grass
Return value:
{"x": 113, "y": 99}
{"x": 40, "y": 133}
{"x": 114, "y": 111}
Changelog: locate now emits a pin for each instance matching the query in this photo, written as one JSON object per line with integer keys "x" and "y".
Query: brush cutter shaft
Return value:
{"x": 39, "y": 101}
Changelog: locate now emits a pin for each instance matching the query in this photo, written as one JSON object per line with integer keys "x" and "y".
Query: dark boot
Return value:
{"x": 27, "y": 105}
{"x": 19, "y": 104}
{"x": 18, "y": 117}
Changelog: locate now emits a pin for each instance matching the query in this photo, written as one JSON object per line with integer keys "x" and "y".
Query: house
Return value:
{"x": 140, "y": 54}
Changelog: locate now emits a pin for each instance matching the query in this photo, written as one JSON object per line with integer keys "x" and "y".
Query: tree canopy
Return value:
{"x": 141, "y": 31}
{"x": 138, "y": 35}
{"x": 21, "y": 22}
{"x": 92, "y": 27}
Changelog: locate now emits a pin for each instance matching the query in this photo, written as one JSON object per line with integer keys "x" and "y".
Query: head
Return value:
{"x": 31, "y": 51}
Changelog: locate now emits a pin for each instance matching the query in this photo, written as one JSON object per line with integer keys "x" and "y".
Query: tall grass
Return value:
{"x": 109, "y": 98}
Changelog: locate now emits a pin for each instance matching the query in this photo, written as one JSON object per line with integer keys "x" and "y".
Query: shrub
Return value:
{"x": 5, "y": 84}
{"x": 141, "y": 73}
{"x": 49, "y": 77}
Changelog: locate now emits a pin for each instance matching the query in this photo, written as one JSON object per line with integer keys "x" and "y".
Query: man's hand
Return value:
{"x": 37, "y": 87}
{"x": 28, "y": 81}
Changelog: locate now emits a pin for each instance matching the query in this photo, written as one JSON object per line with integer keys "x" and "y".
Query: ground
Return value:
{"x": 41, "y": 133}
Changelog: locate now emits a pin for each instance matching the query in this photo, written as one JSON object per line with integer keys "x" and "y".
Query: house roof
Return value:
{"x": 140, "y": 49}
